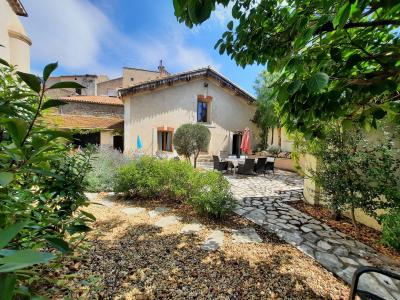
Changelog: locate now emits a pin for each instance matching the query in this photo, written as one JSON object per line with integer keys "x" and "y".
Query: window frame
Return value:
{"x": 207, "y": 101}
{"x": 164, "y": 131}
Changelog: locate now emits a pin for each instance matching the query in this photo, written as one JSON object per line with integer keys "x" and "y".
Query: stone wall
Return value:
{"x": 77, "y": 108}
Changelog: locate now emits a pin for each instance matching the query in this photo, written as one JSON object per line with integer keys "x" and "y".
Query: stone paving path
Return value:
{"x": 263, "y": 201}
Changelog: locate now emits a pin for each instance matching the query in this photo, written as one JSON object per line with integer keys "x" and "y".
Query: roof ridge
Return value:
{"x": 122, "y": 92}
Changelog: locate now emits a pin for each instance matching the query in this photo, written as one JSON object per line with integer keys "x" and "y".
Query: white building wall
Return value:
{"x": 177, "y": 105}
{"x": 13, "y": 38}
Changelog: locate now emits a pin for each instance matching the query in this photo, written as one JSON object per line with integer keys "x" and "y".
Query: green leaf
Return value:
{"x": 7, "y": 234}
{"x": 342, "y": 16}
{"x": 17, "y": 129}
{"x": 6, "y": 178}
{"x": 59, "y": 244}
{"x": 48, "y": 70}
{"x": 89, "y": 215}
{"x": 347, "y": 124}
{"x": 78, "y": 228}
{"x": 3, "y": 62}
{"x": 22, "y": 259}
{"x": 31, "y": 80}
{"x": 199, "y": 11}
{"x": 317, "y": 82}
{"x": 52, "y": 103}
{"x": 378, "y": 113}
{"x": 7, "y": 286}
{"x": 294, "y": 86}
{"x": 230, "y": 25}
{"x": 66, "y": 85}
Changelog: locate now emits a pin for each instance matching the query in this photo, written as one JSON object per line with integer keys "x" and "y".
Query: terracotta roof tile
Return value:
{"x": 93, "y": 99}
{"x": 84, "y": 122}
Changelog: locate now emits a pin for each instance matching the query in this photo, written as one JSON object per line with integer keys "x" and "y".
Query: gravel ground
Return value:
{"x": 129, "y": 258}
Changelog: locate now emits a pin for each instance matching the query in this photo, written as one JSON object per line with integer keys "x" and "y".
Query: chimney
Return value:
{"x": 161, "y": 69}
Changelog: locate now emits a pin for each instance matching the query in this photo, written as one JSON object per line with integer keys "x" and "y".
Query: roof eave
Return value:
{"x": 183, "y": 77}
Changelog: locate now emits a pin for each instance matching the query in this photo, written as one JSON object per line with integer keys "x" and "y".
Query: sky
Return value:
{"x": 102, "y": 36}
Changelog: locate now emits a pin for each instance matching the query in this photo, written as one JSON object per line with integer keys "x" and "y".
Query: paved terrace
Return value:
{"x": 263, "y": 200}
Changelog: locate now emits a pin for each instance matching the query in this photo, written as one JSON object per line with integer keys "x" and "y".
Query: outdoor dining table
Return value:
{"x": 235, "y": 162}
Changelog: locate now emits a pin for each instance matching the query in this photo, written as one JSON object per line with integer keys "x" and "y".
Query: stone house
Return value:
{"x": 154, "y": 109}
{"x": 94, "y": 113}
{"x": 92, "y": 119}
{"x": 14, "y": 41}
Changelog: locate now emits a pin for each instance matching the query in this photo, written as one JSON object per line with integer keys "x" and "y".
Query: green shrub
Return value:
{"x": 210, "y": 194}
{"x": 148, "y": 177}
{"x": 41, "y": 181}
{"x": 104, "y": 166}
{"x": 391, "y": 229}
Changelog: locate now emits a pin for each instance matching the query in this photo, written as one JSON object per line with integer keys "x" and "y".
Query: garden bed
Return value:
{"x": 365, "y": 234}
{"x": 130, "y": 258}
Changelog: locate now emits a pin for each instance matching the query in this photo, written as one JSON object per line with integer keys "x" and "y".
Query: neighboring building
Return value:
{"x": 14, "y": 42}
{"x": 95, "y": 113}
{"x": 90, "y": 82}
{"x": 156, "y": 108}
{"x": 93, "y": 119}
{"x": 130, "y": 77}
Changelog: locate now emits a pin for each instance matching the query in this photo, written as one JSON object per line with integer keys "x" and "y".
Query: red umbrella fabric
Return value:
{"x": 245, "y": 146}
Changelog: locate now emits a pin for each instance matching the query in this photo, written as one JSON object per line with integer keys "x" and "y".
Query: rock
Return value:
{"x": 324, "y": 245}
{"x": 167, "y": 221}
{"x": 347, "y": 274}
{"x": 313, "y": 238}
{"x": 257, "y": 216}
{"x": 91, "y": 196}
{"x": 191, "y": 228}
{"x": 213, "y": 241}
{"x": 157, "y": 211}
{"x": 133, "y": 211}
{"x": 330, "y": 261}
{"x": 341, "y": 251}
{"x": 246, "y": 235}
{"x": 106, "y": 202}
{"x": 348, "y": 260}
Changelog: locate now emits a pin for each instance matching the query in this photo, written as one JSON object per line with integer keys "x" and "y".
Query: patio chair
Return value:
{"x": 270, "y": 164}
{"x": 247, "y": 168}
{"x": 366, "y": 295}
{"x": 260, "y": 165}
{"x": 220, "y": 165}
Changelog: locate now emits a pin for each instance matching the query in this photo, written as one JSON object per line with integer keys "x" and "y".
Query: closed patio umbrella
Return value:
{"x": 139, "y": 144}
{"x": 245, "y": 146}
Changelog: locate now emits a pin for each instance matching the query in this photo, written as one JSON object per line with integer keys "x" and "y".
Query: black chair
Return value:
{"x": 270, "y": 164}
{"x": 260, "y": 165}
{"x": 247, "y": 168}
{"x": 365, "y": 295}
{"x": 220, "y": 165}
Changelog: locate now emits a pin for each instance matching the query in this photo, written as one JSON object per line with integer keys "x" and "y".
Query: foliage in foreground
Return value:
{"x": 208, "y": 192}
{"x": 190, "y": 139}
{"x": 41, "y": 181}
{"x": 391, "y": 229}
{"x": 322, "y": 51}
{"x": 104, "y": 165}
{"x": 355, "y": 172}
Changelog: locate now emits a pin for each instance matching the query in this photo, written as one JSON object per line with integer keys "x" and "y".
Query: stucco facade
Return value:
{"x": 170, "y": 107}
{"x": 13, "y": 37}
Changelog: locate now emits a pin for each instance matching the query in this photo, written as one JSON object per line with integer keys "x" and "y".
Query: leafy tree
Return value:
{"x": 190, "y": 139}
{"x": 41, "y": 181}
{"x": 265, "y": 116}
{"x": 354, "y": 172}
{"x": 337, "y": 60}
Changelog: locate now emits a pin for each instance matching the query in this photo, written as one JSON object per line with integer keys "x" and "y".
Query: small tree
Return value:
{"x": 356, "y": 173}
{"x": 190, "y": 139}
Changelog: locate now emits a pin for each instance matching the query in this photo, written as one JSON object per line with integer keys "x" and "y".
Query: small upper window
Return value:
{"x": 78, "y": 91}
{"x": 203, "y": 109}
{"x": 132, "y": 79}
